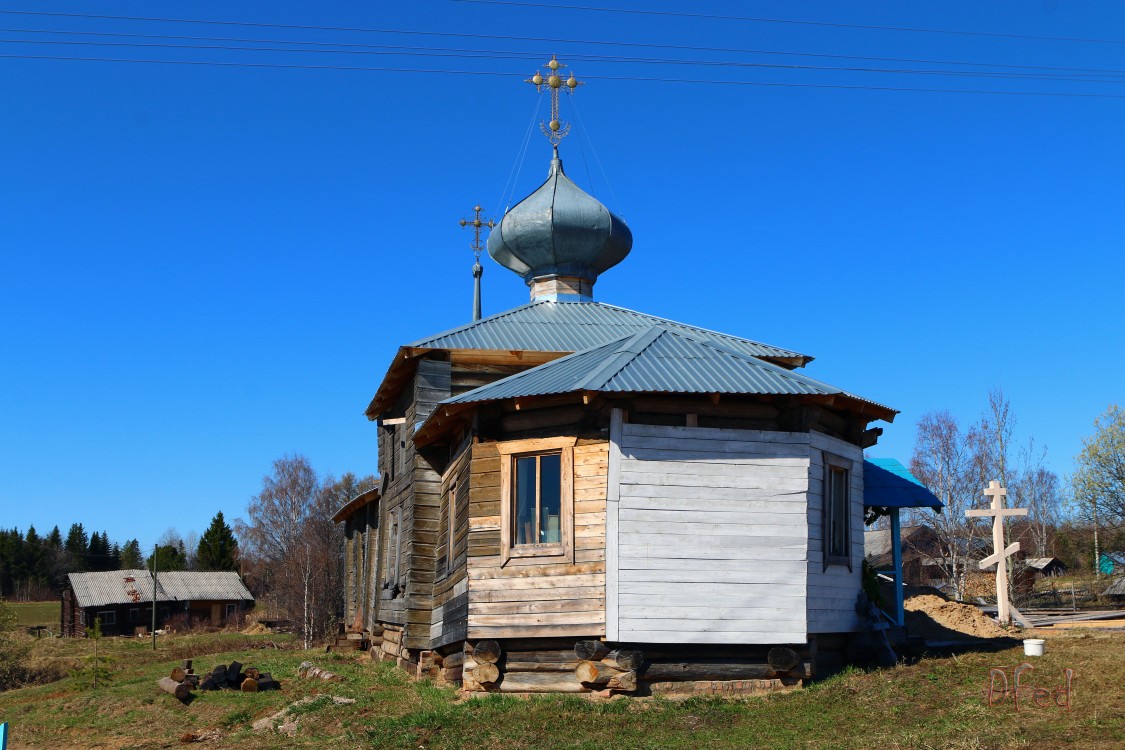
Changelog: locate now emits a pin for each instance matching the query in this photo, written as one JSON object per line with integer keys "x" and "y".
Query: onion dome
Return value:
{"x": 559, "y": 239}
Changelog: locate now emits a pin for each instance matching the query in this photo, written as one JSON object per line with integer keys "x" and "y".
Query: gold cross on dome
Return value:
{"x": 476, "y": 223}
{"x": 555, "y": 130}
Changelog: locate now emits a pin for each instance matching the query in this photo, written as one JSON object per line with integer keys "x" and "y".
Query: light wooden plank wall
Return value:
{"x": 712, "y": 535}
{"x": 519, "y": 600}
{"x": 833, "y": 591}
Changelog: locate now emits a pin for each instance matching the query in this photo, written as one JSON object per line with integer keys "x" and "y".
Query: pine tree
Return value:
{"x": 54, "y": 539}
{"x": 218, "y": 549}
{"x": 131, "y": 557}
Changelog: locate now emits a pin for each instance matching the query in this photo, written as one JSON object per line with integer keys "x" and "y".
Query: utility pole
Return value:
{"x": 155, "y": 548}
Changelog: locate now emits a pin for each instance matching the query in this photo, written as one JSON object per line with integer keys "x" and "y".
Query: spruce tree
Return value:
{"x": 131, "y": 557}
{"x": 218, "y": 549}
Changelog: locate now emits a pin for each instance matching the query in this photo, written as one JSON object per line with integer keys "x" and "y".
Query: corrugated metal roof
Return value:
{"x": 108, "y": 587}
{"x": 659, "y": 359}
{"x": 889, "y": 484}
{"x": 549, "y": 326}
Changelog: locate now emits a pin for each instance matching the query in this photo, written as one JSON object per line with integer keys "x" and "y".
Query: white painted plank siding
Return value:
{"x": 712, "y": 535}
{"x": 832, "y": 592}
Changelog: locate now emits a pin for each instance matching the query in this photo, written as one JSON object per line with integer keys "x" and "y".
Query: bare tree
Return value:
{"x": 1037, "y": 488}
{"x": 943, "y": 461}
{"x": 1098, "y": 484}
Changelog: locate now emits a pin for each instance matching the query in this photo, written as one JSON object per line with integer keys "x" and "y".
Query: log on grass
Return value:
{"x": 249, "y": 685}
{"x": 234, "y": 672}
{"x": 541, "y": 682}
{"x": 486, "y": 674}
{"x": 595, "y": 672}
{"x": 693, "y": 671}
{"x": 267, "y": 682}
{"x": 186, "y": 664}
{"x": 219, "y": 676}
{"x": 252, "y": 673}
{"x": 783, "y": 659}
{"x": 626, "y": 681}
{"x": 590, "y": 650}
{"x": 625, "y": 659}
{"x": 178, "y": 674}
{"x": 487, "y": 652}
{"x": 178, "y": 689}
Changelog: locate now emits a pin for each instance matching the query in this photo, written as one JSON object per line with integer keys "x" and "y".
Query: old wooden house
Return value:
{"x": 577, "y": 496}
{"x": 123, "y": 600}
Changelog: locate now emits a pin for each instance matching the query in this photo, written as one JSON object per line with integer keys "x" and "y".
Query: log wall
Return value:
{"x": 527, "y": 600}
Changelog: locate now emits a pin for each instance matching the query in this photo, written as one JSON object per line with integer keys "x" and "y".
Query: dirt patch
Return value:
{"x": 256, "y": 628}
{"x": 935, "y": 617}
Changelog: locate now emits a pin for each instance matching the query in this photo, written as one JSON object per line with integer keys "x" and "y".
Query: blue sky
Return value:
{"x": 207, "y": 267}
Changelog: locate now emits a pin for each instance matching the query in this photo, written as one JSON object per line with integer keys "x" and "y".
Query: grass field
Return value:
{"x": 36, "y": 613}
{"x": 935, "y": 703}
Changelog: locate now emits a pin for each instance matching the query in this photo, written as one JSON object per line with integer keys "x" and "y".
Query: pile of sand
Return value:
{"x": 935, "y": 617}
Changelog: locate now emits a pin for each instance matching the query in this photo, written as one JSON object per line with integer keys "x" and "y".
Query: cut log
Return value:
{"x": 394, "y": 636}
{"x": 310, "y": 671}
{"x": 453, "y": 661}
{"x": 590, "y": 650}
{"x": 452, "y": 675}
{"x": 178, "y": 689}
{"x": 625, "y": 660}
{"x": 595, "y": 672}
{"x": 234, "y": 671}
{"x": 186, "y": 664}
{"x": 540, "y": 666}
{"x": 626, "y": 681}
{"x": 178, "y": 674}
{"x": 691, "y": 671}
{"x": 783, "y": 659}
{"x": 208, "y": 683}
{"x": 219, "y": 676}
{"x": 252, "y": 673}
{"x": 486, "y": 674}
{"x": 249, "y": 685}
{"x": 543, "y": 682}
{"x": 487, "y": 652}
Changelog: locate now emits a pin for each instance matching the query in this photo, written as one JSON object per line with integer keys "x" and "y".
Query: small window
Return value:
{"x": 231, "y": 609}
{"x": 390, "y": 572}
{"x": 392, "y": 450}
{"x": 837, "y": 512}
{"x": 108, "y": 617}
{"x": 135, "y": 614}
{"x": 537, "y": 500}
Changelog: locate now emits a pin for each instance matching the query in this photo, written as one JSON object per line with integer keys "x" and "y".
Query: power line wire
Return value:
{"x": 466, "y": 35}
{"x": 646, "y": 79}
{"x": 503, "y": 54}
{"x": 795, "y": 22}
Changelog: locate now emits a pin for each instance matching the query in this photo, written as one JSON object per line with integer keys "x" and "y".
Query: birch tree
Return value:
{"x": 1098, "y": 484}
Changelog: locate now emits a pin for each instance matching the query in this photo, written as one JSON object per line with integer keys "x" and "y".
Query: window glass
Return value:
{"x": 550, "y": 499}
{"x": 525, "y": 499}
{"x": 838, "y": 512}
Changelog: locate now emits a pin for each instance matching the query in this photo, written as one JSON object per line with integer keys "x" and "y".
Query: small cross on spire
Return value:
{"x": 478, "y": 270}
{"x": 555, "y": 130}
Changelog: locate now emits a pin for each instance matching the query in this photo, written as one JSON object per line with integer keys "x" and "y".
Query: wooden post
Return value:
{"x": 1000, "y": 553}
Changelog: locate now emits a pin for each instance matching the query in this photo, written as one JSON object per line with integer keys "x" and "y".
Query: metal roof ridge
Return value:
{"x": 630, "y": 348}
{"x": 474, "y": 323}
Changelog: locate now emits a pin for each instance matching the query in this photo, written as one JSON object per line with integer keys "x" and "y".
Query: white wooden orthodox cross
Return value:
{"x": 997, "y": 512}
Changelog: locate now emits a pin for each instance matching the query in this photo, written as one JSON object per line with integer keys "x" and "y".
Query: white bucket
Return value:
{"x": 1033, "y": 647}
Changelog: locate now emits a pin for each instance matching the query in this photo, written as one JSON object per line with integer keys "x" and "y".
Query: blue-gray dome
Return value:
{"x": 559, "y": 231}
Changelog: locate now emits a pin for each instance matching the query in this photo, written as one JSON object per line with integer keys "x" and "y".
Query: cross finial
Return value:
{"x": 476, "y": 223}
{"x": 555, "y": 130}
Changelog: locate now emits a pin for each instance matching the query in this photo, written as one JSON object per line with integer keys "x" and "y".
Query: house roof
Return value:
{"x": 877, "y": 542}
{"x": 1117, "y": 588}
{"x": 889, "y": 484}
{"x": 104, "y": 588}
{"x": 558, "y": 328}
{"x": 659, "y": 359}
{"x": 357, "y": 502}
{"x": 1041, "y": 563}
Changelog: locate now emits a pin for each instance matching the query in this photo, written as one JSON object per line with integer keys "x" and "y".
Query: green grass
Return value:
{"x": 935, "y": 703}
{"x": 36, "y": 613}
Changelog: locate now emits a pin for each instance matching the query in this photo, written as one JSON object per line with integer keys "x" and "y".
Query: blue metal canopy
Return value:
{"x": 889, "y": 484}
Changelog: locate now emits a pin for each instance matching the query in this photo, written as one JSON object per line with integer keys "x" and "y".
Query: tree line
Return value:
{"x": 35, "y": 567}
{"x": 1066, "y": 517}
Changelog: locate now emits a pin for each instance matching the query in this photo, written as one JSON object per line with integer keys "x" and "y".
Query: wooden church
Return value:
{"x": 578, "y": 497}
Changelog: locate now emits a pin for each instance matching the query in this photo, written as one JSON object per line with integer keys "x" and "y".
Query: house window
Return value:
{"x": 108, "y": 617}
{"x": 537, "y": 500}
{"x": 135, "y": 614}
{"x": 392, "y": 450}
{"x": 837, "y": 511}
{"x": 390, "y": 575}
{"x": 231, "y": 609}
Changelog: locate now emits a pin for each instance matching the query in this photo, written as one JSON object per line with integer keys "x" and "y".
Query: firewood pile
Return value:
{"x": 234, "y": 676}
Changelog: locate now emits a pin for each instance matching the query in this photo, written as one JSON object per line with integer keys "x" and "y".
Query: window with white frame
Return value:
{"x": 836, "y": 514}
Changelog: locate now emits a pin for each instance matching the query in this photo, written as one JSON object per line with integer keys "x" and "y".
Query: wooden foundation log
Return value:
{"x": 626, "y": 681}
{"x": 249, "y": 685}
{"x": 783, "y": 659}
{"x": 452, "y": 675}
{"x": 531, "y": 682}
{"x": 178, "y": 689}
{"x": 595, "y": 672}
{"x": 487, "y": 652}
{"x": 590, "y": 650}
{"x": 394, "y": 636}
{"x": 540, "y": 666}
{"x": 625, "y": 660}
{"x": 453, "y": 661}
{"x": 178, "y": 674}
{"x": 486, "y": 674}
{"x": 691, "y": 671}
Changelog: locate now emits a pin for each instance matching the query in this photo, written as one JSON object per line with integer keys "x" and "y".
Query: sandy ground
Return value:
{"x": 933, "y": 616}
